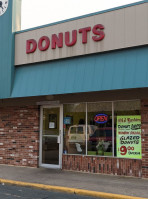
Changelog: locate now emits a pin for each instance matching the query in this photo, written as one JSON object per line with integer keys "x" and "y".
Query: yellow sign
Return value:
{"x": 128, "y": 136}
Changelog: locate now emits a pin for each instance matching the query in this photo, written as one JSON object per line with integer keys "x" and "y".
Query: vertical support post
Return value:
{"x": 113, "y": 129}
{"x": 86, "y": 128}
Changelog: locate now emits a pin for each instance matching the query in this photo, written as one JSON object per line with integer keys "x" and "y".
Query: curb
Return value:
{"x": 69, "y": 190}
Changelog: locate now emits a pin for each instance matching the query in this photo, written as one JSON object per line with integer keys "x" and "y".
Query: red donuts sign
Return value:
{"x": 62, "y": 39}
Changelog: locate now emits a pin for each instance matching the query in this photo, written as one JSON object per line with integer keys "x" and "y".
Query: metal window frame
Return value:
{"x": 86, "y": 124}
{"x": 59, "y": 166}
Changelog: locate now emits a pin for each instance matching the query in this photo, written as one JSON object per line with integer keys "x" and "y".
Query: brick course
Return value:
{"x": 104, "y": 165}
{"x": 144, "y": 128}
{"x": 19, "y": 135}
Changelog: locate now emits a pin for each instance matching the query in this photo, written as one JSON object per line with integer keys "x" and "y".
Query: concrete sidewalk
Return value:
{"x": 94, "y": 182}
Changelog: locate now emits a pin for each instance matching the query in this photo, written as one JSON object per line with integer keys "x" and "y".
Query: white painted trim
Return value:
{"x": 113, "y": 129}
{"x": 51, "y": 166}
{"x": 86, "y": 124}
{"x": 41, "y": 127}
{"x": 61, "y": 134}
{"x": 49, "y": 103}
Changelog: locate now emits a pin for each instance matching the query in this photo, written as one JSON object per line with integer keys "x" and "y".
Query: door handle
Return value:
{"x": 59, "y": 139}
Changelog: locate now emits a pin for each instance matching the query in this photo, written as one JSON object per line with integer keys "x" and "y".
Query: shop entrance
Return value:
{"x": 51, "y": 137}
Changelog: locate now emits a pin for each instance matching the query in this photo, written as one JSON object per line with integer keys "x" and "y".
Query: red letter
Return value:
{"x": 74, "y": 38}
{"x": 98, "y": 32}
{"x": 123, "y": 150}
{"x": 31, "y": 46}
{"x": 57, "y": 41}
{"x": 84, "y": 34}
{"x": 40, "y": 43}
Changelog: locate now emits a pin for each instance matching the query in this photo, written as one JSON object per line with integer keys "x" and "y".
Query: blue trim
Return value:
{"x": 83, "y": 16}
{"x": 6, "y": 53}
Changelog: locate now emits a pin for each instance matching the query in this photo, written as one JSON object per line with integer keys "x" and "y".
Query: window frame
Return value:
{"x": 86, "y": 124}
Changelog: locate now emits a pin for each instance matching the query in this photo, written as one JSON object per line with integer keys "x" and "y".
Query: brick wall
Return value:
{"x": 144, "y": 121}
{"x": 19, "y": 135}
{"x": 104, "y": 165}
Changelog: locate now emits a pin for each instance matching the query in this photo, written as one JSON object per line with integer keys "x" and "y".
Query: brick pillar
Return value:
{"x": 144, "y": 129}
{"x": 19, "y": 135}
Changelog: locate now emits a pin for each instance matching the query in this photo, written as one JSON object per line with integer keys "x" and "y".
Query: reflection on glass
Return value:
{"x": 74, "y": 129}
{"x": 100, "y": 129}
{"x": 50, "y": 121}
{"x": 50, "y": 133}
{"x": 125, "y": 108}
{"x": 50, "y": 150}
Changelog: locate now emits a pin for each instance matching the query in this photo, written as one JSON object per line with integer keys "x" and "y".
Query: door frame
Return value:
{"x": 53, "y": 166}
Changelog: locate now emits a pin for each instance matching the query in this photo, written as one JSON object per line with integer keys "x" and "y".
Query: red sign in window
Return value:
{"x": 101, "y": 118}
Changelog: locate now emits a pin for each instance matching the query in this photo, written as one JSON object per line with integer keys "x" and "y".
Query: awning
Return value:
{"x": 122, "y": 69}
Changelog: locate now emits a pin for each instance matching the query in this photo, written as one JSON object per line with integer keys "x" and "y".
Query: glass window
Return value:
{"x": 80, "y": 130}
{"x": 99, "y": 139}
{"x": 74, "y": 128}
{"x": 50, "y": 132}
{"x": 51, "y": 121}
{"x": 113, "y": 129}
{"x": 127, "y": 124}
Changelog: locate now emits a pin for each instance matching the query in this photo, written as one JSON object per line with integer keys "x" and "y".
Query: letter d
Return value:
{"x": 31, "y": 46}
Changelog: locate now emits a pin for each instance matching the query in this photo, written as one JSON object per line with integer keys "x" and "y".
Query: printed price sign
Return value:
{"x": 129, "y": 136}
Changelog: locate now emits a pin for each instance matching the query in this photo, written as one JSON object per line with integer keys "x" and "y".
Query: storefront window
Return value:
{"x": 75, "y": 128}
{"x": 99, "y": 139}
{"x": 103, "y": 129}
{"x": 127, "y": 124}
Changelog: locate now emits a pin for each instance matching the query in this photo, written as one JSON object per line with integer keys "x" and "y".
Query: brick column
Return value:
{"x": 144, "y": 129}
{"x": 19, "y": 135}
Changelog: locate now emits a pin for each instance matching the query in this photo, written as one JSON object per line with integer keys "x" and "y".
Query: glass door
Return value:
{"x": 51, "y": 137}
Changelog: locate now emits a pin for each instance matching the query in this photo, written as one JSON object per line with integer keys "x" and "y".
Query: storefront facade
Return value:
{"x": 74, "y": 96}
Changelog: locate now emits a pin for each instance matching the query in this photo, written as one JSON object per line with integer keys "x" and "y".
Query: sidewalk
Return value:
{"x": 93, "y": 182}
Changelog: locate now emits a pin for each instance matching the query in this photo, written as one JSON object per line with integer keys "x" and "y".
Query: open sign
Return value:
{"x": 101, "y": 118}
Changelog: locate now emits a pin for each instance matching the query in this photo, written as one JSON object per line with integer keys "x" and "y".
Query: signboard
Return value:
{"x": 95, "y": 33}
{"x": 128, "y": 136}
{"x": 57, "y": 40}
{"x": 67, "y": 120}
{"x": 101, "y": 118}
